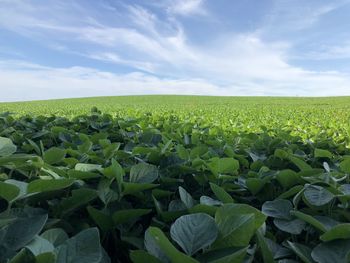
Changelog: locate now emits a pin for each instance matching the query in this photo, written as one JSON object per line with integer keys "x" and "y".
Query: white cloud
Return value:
{"x": 295, "y": 15}
{"x": 186, "y": 7}
{"x": 25, "y": 81}
{"x": 232, "y": 64}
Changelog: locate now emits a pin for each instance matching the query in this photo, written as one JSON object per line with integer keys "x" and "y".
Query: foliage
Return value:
{"x": 100, "y": 188}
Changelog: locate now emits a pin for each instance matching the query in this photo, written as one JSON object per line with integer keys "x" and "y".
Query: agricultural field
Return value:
{"x": 178, "y": 179}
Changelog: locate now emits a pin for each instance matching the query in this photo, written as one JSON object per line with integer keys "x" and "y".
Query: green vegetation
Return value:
{"x": 175, "y": 179}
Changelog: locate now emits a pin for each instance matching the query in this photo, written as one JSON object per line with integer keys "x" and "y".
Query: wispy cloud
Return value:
{"x": 160, "y": 52}
{"x": 296, "y": 15}
{"x": 25, "y": 81}
{"x": 187, "y": 7}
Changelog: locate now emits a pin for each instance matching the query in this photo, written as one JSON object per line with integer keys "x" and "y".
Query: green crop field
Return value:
{"x": 175, "y": 179}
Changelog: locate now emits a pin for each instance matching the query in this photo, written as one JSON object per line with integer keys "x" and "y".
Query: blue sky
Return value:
{"x": 79, "y": 48}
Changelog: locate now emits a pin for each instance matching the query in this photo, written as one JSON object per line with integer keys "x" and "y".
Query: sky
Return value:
{"x": 80, "y": 48}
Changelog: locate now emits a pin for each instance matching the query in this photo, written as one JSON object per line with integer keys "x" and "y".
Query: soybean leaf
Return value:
{"x": 317, "y": 195}
{"x": 159, "y": 246}
{"x": 143, "y": 173}
{"x": 278, "y": 208}
{"x": 194, "y": 232}
{"x": 221, "y": 194}
{"x": 337, "y": 251}
{"x": 40, "y": 185}
{"x": 341, "y": 231}
{"x": 54, "y": 155}
{"x": 6, "y": 147}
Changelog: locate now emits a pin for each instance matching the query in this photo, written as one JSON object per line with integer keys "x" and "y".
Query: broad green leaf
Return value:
{"x": 54, "y": 155}
{"x": 48, "y": 257}
{"x": 8, "y": 191}
{"x": 255, "y": 185}
{"x": 337, "y": 251}
{"x": 200, "y": 208}
{"x": 302, "y": 251}
{"x": 341, "y": 231}
{"x": 18, "y": 234}
{"x": 23, "y": 256}
{"x": 221, "y": 194}
{"x": 194, "y": 232}
{"x": 103, "y": 220}
{"x": 22, "y": 186}
{"x": 317, "y": 195}
{"x": 301, "y": 164}
{"x": 124, "y": 216}
{"x": 143, "y": 173}
{"x": 159, "y": 246}
{"x": 141, "y": 256}
{"x": 278, "y": 208}
{"x": 56, "y": 236}
{"x": 105, "y": 191}
{"x": 115, "y": 171}
{"x": 242, "y": 209}
{"x": 83, "y": 248}
{"x": 234, "y": 229}
{"x": 132, "y": 188}
{"x": 79, "y": 198}
{"x": 320, "y": 153}
{"x": 231, "y": 255}
{"x": 345, "y": 165}
{"x": 40, "y": 185}
{"x": 291, "y": 192}
{"x": 7, "y": 147}
{"x": 186, "y": 198}
{"x": 277, "y": 250}
{"x": 87, "y": 167}
{"x": 287, "y": 178}
{"x": 223, "y": 165}
{"x": 39, "y": 246}
{"x": 309, "y": 219}
{"x": 294, "y": 226}
{"x": 267, "y": 254}
{"x": 206, "y": 200}
{"x": 82, "y": 175}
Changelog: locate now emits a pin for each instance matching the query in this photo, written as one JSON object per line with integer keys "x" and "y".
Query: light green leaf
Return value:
{"x": 39, "y": 246}
{"x": 341, "y": 231}
{"x": 40, "y": 185}
{"x": 54, "y": 155}
{"x": 8, "y": 191}
{"x": 159, "y": 246}
{"x": 56, "y": 236}
{"x": 221, "y": 194}
{"x": 7, "y": 147}
{"x": 320, "y": 153}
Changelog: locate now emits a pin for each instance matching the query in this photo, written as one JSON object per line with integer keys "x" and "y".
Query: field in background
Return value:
{"x": 307, "y": 117}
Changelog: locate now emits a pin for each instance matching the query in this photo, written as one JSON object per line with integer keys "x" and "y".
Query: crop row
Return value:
{"x": 97, "y": 188}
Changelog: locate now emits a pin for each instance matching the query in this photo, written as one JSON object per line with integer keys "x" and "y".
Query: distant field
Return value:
{"x": 306, "y": 117}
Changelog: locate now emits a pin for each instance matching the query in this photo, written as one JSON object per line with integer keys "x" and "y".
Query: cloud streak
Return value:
{"x": 160, "y": 53}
